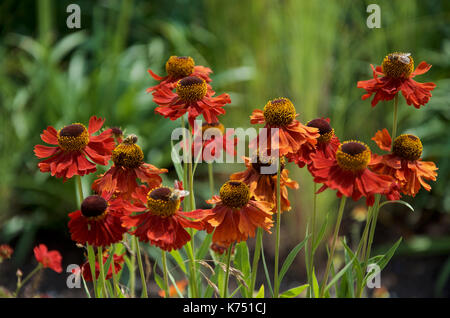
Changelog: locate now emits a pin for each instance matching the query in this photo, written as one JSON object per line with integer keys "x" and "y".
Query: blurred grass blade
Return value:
{"x": 294, "y": 292}
{"x": 290, "y": 258}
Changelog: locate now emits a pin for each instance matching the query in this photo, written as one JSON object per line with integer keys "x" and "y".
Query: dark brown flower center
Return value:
{"x": 163, "y": 202}
{"x": 73, "y": 137}
{"x": 234, "y": 194}
{"x": 161, "y": 194}
{"x": 325, "y": 130}
{"x": 93, "y": 206}
{"x": 408, "y": 147}
{"x": 353, "y": 156}
{"x": 191, "y": 88}
{"x": 128, "y": 154}
{"x": 73, "y": 130}
{"x": 398, "y": 65}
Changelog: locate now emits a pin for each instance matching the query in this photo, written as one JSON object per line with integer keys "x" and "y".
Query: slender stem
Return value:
{"x": 211, "y": 178}
{"x": 311, "y": 242}
{"x": 26, "y": 279}
{"x": 333, "y": 246}
{"x": 394, "y": 124}
{"x": 276, "y": 286}
{"x": 256, "y": 256}
{"x": 376, "y": 210}
{"x": 102, "y": 271}
{"x": 141, "y": 268}
{"x": 363, "y": 241}
{"x": 227, "y": 273}
{"x": 133, "y": 267}
{"x": 166, "y": 277}
{"x": 115, "y": 284}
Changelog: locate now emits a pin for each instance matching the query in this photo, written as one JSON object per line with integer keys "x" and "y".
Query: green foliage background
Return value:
{"x": 313, "y": 52}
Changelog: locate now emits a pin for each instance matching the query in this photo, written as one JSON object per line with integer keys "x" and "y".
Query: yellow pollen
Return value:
{"x": 163, "y": 201}
{"x": 279, "y": 112}
{"x": 408, "y": 147}
{"x": 73, "y": 137}
{"x": 191, "y": 88}
{"x": 234, "y": 194}
{"x": 219, "y": 126}
{"x": 180, "y": 66}
{"x": 398, "y": 65}
{"x": 127, "y": 154}
{"x": 353, "y": 155}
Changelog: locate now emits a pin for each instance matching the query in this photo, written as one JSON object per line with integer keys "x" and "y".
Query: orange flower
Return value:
{"x": 404, "y": 162}
{"x": 263, "y": 186}
{"x": 98, "y": 221}
{"x": 236, "y": 215}
{"x": 161, "y": 222}
{"x": 194, "y": 96}
{"x": 347, "y": 173}
{"x": 327, "y": 143}
{"x": 397, "y": 71}
{"x": 280, "y": 113}
{"x": 178, "y": 67}
{"x": 181, "y": 285}
{"x": 74, "y": 143}
{"x": 128, "y": 166}
{"x": 48, "y": 259}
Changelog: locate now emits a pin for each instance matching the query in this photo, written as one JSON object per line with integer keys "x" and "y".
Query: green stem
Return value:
{"x": 394, "y": 124}
{"x": 256, "y": 256}
{"x": 333, "y": 246}
{"x": 23, "y": 282}
{"x": 211, "y": 178}
{"x": 141, "y": 268}
{"x": 363, "y": 241}
{"x": 115, "y": 284}
{"x": 276, "y": 286}
{"x": 133, "y": 267}
{"x": 166, "y": 278}
{"x": 227, "y": 273}
{"x": 102, "y": 271}
{"x": 312, "y": 242}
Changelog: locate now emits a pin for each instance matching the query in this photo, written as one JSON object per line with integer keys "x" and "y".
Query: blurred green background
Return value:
{"x": 313, "y": 52}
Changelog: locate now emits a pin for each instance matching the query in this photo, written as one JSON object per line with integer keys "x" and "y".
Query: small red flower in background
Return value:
{"x": 263, "y": 186}
{"x": 194, "y": 96}
{"x": 160, "y": 220}
{"x": 212, "y": 140}
{"x": 327, "y": 143}
{"x": 48, "y": 259}
{"x": 280, "y": 113}
{"x": 347, "y": 173}
{"x": 118, "y": 263}
{"x": 128, "y": 166}
{"x": 404, "y": 162}
{"x": 98, "y": 222}
{"x": 74, "y": 145}
{"x": 397, "y": 71}
{"x": 181, "y": 285}
{"x": 5, "y": 252}
{"x": 178, "y": 67}
{"x": 236, "y": 215}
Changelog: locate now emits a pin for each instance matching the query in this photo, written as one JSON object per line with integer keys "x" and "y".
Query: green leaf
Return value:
{"x": 294, "y": 292}
{"x": 339, "y": 274}
{"x": 177, "y": 165}
{"x": 321, "y": 233}
{"x": 290, "y": 258}
{"x": 357, "y": 264}
{"x": 242, "y": 262}
{"x": 409, "y": 206}
{"x": 158, "y": 279}
{"x": 387, "y": 257}
{"x": 201, "y": 252}
{"x": 177, "y": 257}
{"x": 315, "y": 284}
{"x": 260, "y": 293}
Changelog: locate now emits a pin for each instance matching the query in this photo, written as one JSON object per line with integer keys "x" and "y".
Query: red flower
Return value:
{"x": 98, "y": 222}
{"x": 280, "y": 113}
{"x": 192, "y": 96}
{"x": 5, "y": 252}
{"x": 397, "y": 75}
{"x": 75, "y": 144}
{"x": 263, "y": 186}
{"x": 118, "y": 262}
{"x": 48, "y": 259}
{"x": 178, "y": 67}
{"x": 347, "y": 173}
{"x": 327, "y": 143}
{"x": 128, "y": 166}
{"x": 404, "y": 162}
{"x": 236, "y": 215}
{"x": 161, "y": 222}
{"x": 212, "y": 139}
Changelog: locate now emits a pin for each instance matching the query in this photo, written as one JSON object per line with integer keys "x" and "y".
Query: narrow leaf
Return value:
{"x": 294, "y": 292}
